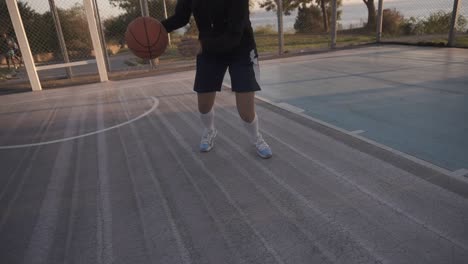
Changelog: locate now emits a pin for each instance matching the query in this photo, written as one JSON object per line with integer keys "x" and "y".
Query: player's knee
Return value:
{"x": 247, "y": 117}
{"x": 204, "y": 108}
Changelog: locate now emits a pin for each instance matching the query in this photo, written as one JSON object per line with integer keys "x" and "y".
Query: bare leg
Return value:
{"x": 205, "y": 106}
{"x": 246, "y": 106}
{"x": 206, "y": 102}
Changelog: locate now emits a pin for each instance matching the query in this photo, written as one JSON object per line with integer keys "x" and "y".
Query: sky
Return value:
{"x": 344, "y": 2}
{"x": 106, "y": 10}
{"x": 42, "y": 5}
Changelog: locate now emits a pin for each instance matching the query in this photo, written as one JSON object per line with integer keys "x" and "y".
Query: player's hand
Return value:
{"x": 189, "y": 47}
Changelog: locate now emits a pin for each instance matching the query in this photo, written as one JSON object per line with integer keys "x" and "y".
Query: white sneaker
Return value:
{"x": 207, "y": 140}
{"x": 263, "y": 150}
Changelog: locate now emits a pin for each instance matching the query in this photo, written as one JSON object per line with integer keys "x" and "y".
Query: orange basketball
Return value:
{"x": 146, "y": 37}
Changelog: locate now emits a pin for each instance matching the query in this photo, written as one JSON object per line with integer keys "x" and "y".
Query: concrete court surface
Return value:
{"x": 412, "y": 99}
{"x": 111, "y": 173}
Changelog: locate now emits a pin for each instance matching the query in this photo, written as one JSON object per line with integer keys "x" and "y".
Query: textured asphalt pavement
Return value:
{"x": 111, "y": 173}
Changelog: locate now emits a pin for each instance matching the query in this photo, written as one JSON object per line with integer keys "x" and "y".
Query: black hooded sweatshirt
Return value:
{"x": 224, "y": 25}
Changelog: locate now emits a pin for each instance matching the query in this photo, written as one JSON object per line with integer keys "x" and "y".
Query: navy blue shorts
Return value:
{"x": 243, "y": 69}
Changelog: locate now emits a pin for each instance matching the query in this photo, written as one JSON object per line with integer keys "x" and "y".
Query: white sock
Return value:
{"x": 208, "y": 119}
{"x": 252, "y": 129}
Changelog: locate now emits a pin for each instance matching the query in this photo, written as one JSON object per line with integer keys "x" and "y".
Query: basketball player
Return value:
{"x": 10, "y": 50}
{"x": 225, "y": 41}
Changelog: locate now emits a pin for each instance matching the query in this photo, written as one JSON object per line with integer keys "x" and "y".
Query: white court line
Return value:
{"x": 291, "y": 108}
{"x": 394, "y": 151}
{"x": 107, "y": 86}
{"x": 460, "y": 173}
{"x": 155, "y": 105}
{"x": 356, "y": 132}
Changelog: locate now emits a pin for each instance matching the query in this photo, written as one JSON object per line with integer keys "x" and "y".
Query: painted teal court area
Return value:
{"x": 412, "y": 99}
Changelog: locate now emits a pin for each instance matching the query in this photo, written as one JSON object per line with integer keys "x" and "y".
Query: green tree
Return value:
{"x": 307, "y": 20}
{"x": 288, "y": 5}
{"x": 41, "y": 34}
{"x": 39, "y": 27}
{"x": 326, "y": 12}
{"x": 76, "y": 31}
{"x": 30, "y": 18}
{"x": 291, "y": 5}
{"x": 130, "y": 6}
{"x": 322, "y": 4}
{"x": 115, "y": 27}
{"x": 314, "y": 18}
{"x": 392, "y": 21}
{"x": 437, "y": 23}
{"x": 156, "y": 7}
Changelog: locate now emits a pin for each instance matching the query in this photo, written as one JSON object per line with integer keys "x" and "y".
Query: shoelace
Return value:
{"x": 206, "y": 137}
{"x": 261, "y": 144}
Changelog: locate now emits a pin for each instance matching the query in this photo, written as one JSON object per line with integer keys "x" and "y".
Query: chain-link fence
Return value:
{"x": 113, "y": 18}
{"x": 461, "y": 38}
{"x": 355, "y": 24}
{"x": 265, "y": 25}
{"x": 115, "y": 15}
{"x": 58, "y": 31}
{"x": 305, "y": 25}
{"x": 419, "y": 21}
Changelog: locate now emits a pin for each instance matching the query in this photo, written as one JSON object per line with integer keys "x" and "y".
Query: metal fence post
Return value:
{"x": 61, "y": 38}
{"x": 93, "y": 30}
{"x": 102, "y": 35}
{"x": 23, "y": 42}
{"x": 379, "y": 21}
{"x": 279, "y": 4}
{"x": 453, "y": 24}
{"x": 165, "y": 16}
{"x": 145, "y": 12}
{"x": 144, "y": 7}
{"x": 333, "y": 24}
